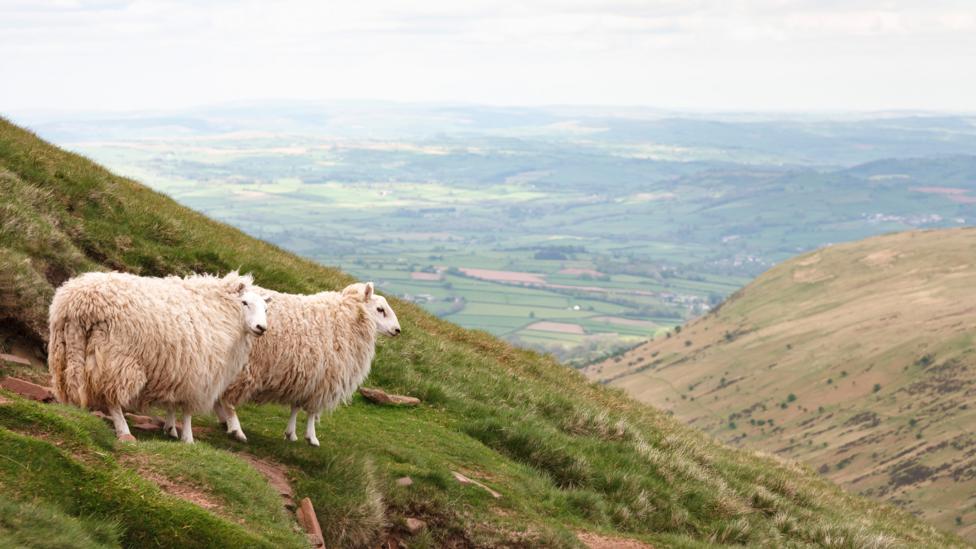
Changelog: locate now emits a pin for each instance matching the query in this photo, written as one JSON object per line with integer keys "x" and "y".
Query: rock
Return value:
{"x": 15, "y": 359}
{"x": 144, "y": 423}
{"x": 380, "y": 396}
{"x": 308, "y": 521}
{"x": 415, "y": 525}
{"x": 465, "y": 480}
{"x": 404, "y": 481}
{"x": 27, "y": 389}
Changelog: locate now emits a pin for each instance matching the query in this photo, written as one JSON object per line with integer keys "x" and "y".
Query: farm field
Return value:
{"x": 645, "y": 220}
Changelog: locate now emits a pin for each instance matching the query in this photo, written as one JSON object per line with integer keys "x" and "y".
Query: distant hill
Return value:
{"x": 856, "y": 359}
{"x": 569, "y": 460}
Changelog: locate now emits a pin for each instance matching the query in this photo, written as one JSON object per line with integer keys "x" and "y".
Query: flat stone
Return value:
{"x": 380, "y": 396}
{"x": 465, "y": 480}
{"x": 415, "y": 525}
{"x": 27, "y": 389}
{"x": 404, "y": 481}
{"x": 136, "y": 418}
{"x": 308, "y": 521}
{"x": 15, "y": 359}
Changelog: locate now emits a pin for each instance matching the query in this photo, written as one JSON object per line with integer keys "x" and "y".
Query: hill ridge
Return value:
{"x": 567, "y": 456}
{"x": 856, "y": 358}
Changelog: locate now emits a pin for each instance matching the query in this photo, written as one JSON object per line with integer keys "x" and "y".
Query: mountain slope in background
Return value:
{"x": 565, "y": 456}
{"x": 857, "y": 359}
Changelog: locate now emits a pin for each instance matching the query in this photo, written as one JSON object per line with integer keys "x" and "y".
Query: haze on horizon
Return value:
{"x": 759, "y": 55}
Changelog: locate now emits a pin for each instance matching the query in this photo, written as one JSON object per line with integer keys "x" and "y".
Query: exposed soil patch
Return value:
{"x": 625, "y": 321}
{"x": 881, "y": 258}
{"x": 578, "y": 272}
{"x": 560, "y": 327}
{"x": 505, "y": 276}
{"x": 596, "y": 541}
{"x": 810, "y": 276}
{"x": 184, "y": 491}
{"x": 426, "y": 276}
{"x": 277, "y": 476}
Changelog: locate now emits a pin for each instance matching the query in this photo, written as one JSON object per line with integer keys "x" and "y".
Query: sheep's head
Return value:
{"x": 255, "y": 310}
{"x": 377, "y": 307}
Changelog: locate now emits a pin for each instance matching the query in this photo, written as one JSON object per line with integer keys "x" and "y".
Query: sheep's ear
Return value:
{"x": 267, "y": 298}
{"x": 368, "y": 291}
{"x": 240, "y": 288}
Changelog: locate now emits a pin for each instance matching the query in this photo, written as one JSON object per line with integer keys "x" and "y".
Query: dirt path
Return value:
{"x": 596, "y": 541}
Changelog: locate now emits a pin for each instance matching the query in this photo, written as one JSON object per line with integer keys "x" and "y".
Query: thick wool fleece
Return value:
{"x": 317, "y": 351}
{"x": 121, "y": 339}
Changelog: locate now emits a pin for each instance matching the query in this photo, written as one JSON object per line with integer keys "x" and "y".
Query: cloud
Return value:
{"x": 699, "y": 54}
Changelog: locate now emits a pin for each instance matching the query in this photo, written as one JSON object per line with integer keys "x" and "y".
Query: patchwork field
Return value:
{"x": 499, "y": 219}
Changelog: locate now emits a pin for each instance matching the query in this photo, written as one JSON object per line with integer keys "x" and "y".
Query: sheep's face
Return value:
{"x": 255, "y": 312}
{"x": 383, "y": 315}
{"x": 377, "y": 308}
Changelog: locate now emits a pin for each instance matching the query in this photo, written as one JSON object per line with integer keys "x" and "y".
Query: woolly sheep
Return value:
{"x": 318, "y": 350}
{"x": 120, "y": 341}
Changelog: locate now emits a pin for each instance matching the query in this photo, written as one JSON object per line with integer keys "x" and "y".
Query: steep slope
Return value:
{"x": 566, "y": 456}
{"x": 856, "y": 359}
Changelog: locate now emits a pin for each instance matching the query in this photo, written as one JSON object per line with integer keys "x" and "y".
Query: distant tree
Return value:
{"x": 791, "y": 398}
{"x": 877, "y": 387}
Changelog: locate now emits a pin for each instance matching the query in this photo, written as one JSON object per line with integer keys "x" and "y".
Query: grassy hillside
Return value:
{"x": 566, "y": 456}
{"x": 856, "y": 359}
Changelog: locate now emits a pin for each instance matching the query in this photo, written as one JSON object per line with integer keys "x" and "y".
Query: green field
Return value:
{"x": 670, "y": 215}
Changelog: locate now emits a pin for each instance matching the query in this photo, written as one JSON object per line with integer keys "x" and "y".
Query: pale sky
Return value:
{"x": 802, "y": 55}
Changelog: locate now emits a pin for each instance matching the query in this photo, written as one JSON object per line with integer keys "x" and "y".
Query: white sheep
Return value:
{"x": 318, "y": 350}
{"x": 120, "y": 341}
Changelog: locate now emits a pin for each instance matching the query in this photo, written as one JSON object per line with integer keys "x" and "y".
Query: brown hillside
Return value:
{"x": 856, "y": 359}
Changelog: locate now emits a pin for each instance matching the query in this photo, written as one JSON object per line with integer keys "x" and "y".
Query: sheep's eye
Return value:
{"x": 381, "y": 310}
{"x": 244, "y": 302}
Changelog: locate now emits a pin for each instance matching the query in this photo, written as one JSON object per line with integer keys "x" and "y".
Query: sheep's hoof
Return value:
{"x": 173, "y": 432}
{"x": 239, "y": 436}
{"x": 291, "y": 437}
{"x": 312, "y": 441}
{"x": 126, "y": 438}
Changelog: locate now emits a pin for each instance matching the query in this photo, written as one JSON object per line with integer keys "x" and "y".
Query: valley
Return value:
{"x": 597, "y": 229}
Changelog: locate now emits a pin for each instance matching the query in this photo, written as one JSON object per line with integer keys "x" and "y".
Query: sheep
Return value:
{"x": 120, "y": 341}
{"x": 319, "y": 349}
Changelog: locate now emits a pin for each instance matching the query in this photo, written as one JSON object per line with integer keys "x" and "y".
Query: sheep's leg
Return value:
{"x": 290, "y": 429}
{"x": 227, "y": 414}
{"x": 187, "y": 428}
{"x": 121, "y": 426}
{"x": 234, "y": 425}
{"x": 310, "y": 429}
{"x": 221, "y": 410}
{"x": 169, "y": 426}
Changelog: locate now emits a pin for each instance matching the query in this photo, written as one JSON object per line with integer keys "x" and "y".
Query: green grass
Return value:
{"x": 566, "y": 455}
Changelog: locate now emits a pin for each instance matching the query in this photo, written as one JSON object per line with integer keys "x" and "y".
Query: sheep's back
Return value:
{"x": 183, "y": 337}
{"x": 315, "y": 347}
